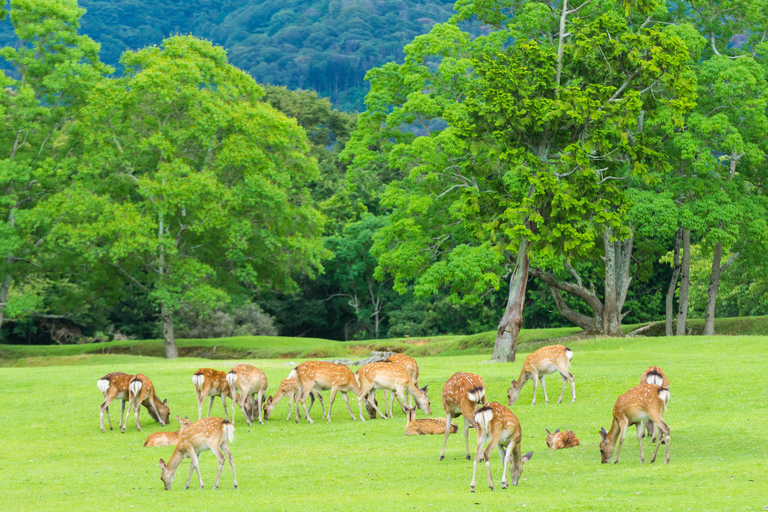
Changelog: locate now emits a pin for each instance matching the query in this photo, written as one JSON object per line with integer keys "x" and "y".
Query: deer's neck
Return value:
{"x": 176, "y": 459}
{"x": 613, "y": 434}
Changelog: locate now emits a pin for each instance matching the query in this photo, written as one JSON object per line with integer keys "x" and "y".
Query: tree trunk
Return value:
{"x": 682, "y": 305}
{"x": 510, "y": 324}
{"x": 170, "y": 340}
{"x": 4, "y": 287}
{"x": 714, "y": 284}
{"x": 673, "y": 285}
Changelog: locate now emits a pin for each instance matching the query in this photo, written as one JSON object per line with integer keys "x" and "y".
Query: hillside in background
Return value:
{"x": 324, "y": 45}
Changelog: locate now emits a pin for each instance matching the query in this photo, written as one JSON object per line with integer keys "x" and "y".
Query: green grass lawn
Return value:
{"x": 55, "y": 455}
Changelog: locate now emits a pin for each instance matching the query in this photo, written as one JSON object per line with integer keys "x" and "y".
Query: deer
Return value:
{"x": 167, "y": 438}
{"x": 392, "y": 377}
{"x": 428, "y": 426}
{"x": 411, "y": 367}
{"x": 498, "y": 425}
{"x": 653, "y": 375}
{"x": 557, "y": 440}
{"x": 115, "y": 386}
{"x": 247, "y": 380}
{"x": 322, "y": 375}
{"x": 461, "y": 394}
{"x": 290, "y": 387}
{"x": 546, "y": 360}
{"x": 212, "y": 383}
{"x": 643, "y": 402}
{"x": 142, "y": 392}
{"x": 214, "y": 434}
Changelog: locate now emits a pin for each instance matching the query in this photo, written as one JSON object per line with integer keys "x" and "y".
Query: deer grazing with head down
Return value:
{"x": 557, "y": 440}
{"x": 643, "y": 402}
{"x": 115, "y": 386}
{"x": 245, "y": 380}
{"x": 498, "y": 425}
{"x": 167, "y": 438}
{"x": 290, "y": 387}
{"x": 210, "y": 383}
{"x": 428, "y": 426}
{"x": 546, "y": 360}
{"x": 322, "y": 375}
{"x": 142, "y": 392}
{"x": 392, "y": 377}
{"x": 461, "y": 394}
{"x": 212, "y": 434}
{"x": 653, "y": 375}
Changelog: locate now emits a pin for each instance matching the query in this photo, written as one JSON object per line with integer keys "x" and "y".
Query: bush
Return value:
{"x": 246, "y": 320}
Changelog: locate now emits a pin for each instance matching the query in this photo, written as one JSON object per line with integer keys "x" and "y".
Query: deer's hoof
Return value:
{"x": 491, "y": 487}
{"x": 442, "y": 457}
{"x": 503, "y": 485}
{"x": 469, "y": 457}
{"x": 472, "y": 488}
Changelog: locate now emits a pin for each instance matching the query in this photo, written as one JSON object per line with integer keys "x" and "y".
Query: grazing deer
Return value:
{"x": 646, "y": 401}
{"x": 557, "y": 440}
{"x": 461, "y": 394}
{"x": 322, "y": 375}
{"x": 653, "y": 375}
{"x": 212, "y": 434}
{"x": 167, "y": 438}
{"x": 212, "y": 383}
{"x": 247, "y": 380}
{"x": 290, "y": 387}
{"x": 115, "y": 386}
{"x": 411, "y": 368}
{"x": 546, "y": 360}
{"x": 426, "y": 426}
{"x": 142, "y": 392}
{"x": 393, "y": 377}
{"x": 499, "y": 425}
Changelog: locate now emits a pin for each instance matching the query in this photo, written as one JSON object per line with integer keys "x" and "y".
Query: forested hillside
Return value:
{"x": 323, "y": 45}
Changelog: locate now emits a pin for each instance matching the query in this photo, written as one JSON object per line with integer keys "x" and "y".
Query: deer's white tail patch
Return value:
{"x": 135, "y": 386}
{"x": 198, "y": 380}
{"x": 476, "y": 394}
{"x": 569, "y": 354}
{"x": 483, "y": 417}
{"x": 654, "y": 378}
{"x": 229, "y": 429}
{"x": 231, "y": 378}
{"x": 292, "y": 375}
{"x": 103, "y": 385}
{"x": 664, "y": 395}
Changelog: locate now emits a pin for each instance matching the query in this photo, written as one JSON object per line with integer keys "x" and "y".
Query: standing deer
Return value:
{"x": 646, "y": 401}
{"x": 557, "y": 440}
{"x": 167, "y": 438}
{"x": 115, "y": 386}
{"x": 461, "y": 394}
{"x": 426, "y": 426}
{"x": 546, "y": 360}
{"x": 653, "y": 375}
{"x": 321, "y": 375}
{"x": 290, "y": 387}
{"x": 411, "y": 368}
{"x": 247, "y": 380}
{"x": 212, "y": 434}
{"x": 212, "y": 383}
{"x": 499, "y": 425}
{"x": 142, "y": 392}
{"x": 392, "y": 377}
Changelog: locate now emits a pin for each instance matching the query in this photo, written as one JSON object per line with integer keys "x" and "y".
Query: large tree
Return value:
{"x": 188, "y": 185}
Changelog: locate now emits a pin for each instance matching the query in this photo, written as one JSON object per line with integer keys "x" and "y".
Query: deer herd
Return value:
{"x": 464, "y": 394}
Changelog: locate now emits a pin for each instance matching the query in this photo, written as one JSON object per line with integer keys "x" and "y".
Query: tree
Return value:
{"x": 525, "y": 136}
{"x": 188, "y": 185}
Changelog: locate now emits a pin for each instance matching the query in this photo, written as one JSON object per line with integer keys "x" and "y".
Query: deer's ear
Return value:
{"x": 603, "y": 433}
{"x": 527, "y": 457}
{"x": 186, "y": 417}
{"x": 548, "y": 432}
{"x": 424, "y": 389}
{"x": 162, "y": 464}
{"x": 178, "y": 418}
{"x": 556, "y": 431}
{"x": 165, "y": 402}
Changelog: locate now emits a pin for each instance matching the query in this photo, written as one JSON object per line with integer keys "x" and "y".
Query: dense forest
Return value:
{"x": 157, "y": 186}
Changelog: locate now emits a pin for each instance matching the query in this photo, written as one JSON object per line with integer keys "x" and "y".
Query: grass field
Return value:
{"x": 54, "y": 454}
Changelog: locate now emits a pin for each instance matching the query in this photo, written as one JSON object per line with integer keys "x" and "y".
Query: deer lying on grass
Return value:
{"x": 546, "y": 360}
{"x": 557, "y": 440}
{"x": 497, "y": 424}
{"x": 426, "y": 426}
{"x": 393, "y": 377}
{"x": 248, "y": 381}
{"x": 411, "y": 368}
{"x": 115, "y": 386}
{"x": 653, "y": 375}
{"x": 142, "y": 392}
{"x": 322, "y": 375}
{"x": 212, "y": 434}
{"x": 290, "y": 387}
{"x": 646, "y": 401}
{"x": 212, "y": 383}
{"x": 167, "y": 438}
{"x": 461, "y": 394}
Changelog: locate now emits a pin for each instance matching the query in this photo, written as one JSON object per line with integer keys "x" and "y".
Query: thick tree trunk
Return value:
{"x": 510, "y": 324}
{"x": 166, "y": 315}
{"x": 670, "y": 320}
{"x": 714, "y": 284}
{"x": 682, "y": 305}
{"x": 5, "y": 286}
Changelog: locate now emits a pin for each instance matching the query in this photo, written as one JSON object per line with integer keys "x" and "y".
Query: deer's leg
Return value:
{"x": 664, "y": 432}
{"x": 400, "y": 394}
{"x": 225, "y": 447}
{"x": 480, "y": 442}
{"x": 220, "y": 457}
{"x": 105, "y": 407}
{"x": 210, "y": 406}
{"x": 122, "y": 413}
{"x": 573, "y": 386}
{"x": 487, "y": 457}
{"x": 640, "y": 427}
{"x": 349, "y": 407}
{"x": 505, "y": 456}
{"x": 233, "y": 397}
{"x": 448, "y": 418}
{"x": 319, "y": 397}
{"x": 546, "y": 398}
{"x": 157, "y": 413}
{"x": 535, "y": 379}
{"x": 623, "y": 429}
{"x": 303, "y": 399}
{"x": 565, "y": 383}
{"x": 242, "y": 408}
{"x": 191, "y": 470}
{"x": 224, "y": 403}
{"x": 200, "y": 401}
{"x": 466, "y": 434}
{"x": 334, "y": 390}
{"x": 261, "y": 400}
{"x": 372, "y": 401}
{"x": 137, "y": 410}
{"x": 196, "y": 460}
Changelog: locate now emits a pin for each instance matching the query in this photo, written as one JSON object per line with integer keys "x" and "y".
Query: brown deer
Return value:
{"x": 411, "y": 368}
{"x": 290, "y": 387}
{"x": 212, "y": 434}
{"x": 322, "y": 375}
{"x": 210, "y": 383}
{"x": 461, "y": 394}
{"x": 546, "y": 360}
{"x": 653, "y": 375}
{"x": 557, "y": 440}
{"x": 142, "y": 392}
{"x": 497, "y": 424}
{"x": 115, "y": 386}
{"x": 247, "y": 380}
{"x": 426, "y": 426}
{"x": 392, "y": 377}
{"x": 646, "y": 401}
{"x": 167, "y": 438}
